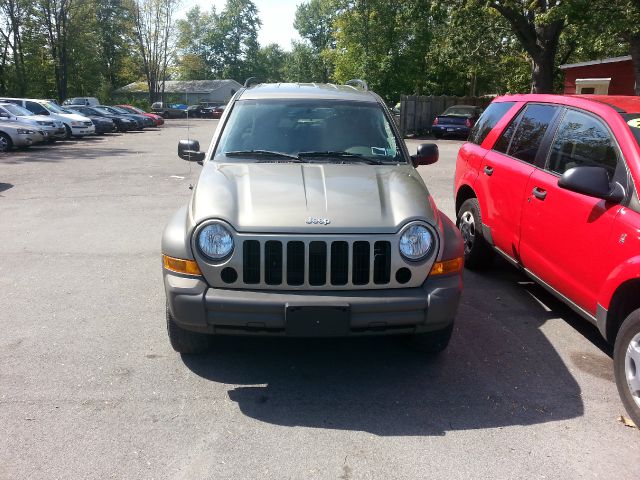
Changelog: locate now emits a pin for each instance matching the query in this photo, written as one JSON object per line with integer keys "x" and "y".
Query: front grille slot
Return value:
{"x": 317, "y": 263}
{"x": 273, "y": 262}
{"x": 381, "y": 262}
{"x": 295, "y": 263}
{"x": 339, "y": 263}
{"x": 251, "y": 262}
{"x": 360, "y": 263}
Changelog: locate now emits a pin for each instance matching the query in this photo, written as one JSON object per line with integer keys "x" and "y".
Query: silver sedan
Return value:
{"x": 17, "y": 135}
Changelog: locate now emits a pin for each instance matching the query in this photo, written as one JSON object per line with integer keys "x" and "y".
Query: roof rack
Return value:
{"x": 251, "y": 81}
{"x": 356, "y": 82}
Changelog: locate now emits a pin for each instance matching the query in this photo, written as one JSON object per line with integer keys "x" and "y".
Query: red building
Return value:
{"x": 611, "y": 76}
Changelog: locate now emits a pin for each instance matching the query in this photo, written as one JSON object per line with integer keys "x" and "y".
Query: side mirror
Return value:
{"x": 189, "y": 150}
{"x": 427, "y": 154}
{"x": 592, "y": 181}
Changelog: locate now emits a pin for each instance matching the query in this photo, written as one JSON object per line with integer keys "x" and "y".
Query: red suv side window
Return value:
{"x": 582, "y": 140}
{"x": 522, "y": 138}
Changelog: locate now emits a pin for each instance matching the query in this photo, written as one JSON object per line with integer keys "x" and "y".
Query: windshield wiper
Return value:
{"x": 263, "y": 153}
{"x": 342, "y": 155}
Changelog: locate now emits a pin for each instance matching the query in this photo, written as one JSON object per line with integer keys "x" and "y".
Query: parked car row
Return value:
{"x": 25, "y": 122}
{"x": 180, "y": 110}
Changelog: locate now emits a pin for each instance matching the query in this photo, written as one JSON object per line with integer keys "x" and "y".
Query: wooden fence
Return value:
{"x": 418, "y": 112}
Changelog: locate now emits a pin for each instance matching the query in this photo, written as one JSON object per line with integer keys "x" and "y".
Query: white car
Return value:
{"x": 84, "y": 101}
{"x": 75, "y": 125}
{"x": 50, "y": 128}
{"x": 13, "y": 134}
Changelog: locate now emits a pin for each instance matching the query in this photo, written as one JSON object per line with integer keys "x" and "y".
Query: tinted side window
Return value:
{"x": 36, "y": 108}
{"x": 502, "y": 145}
{"x": 582, "y": 140}
{"x": 488, "y": 120}
{"x": 530, "y": 127}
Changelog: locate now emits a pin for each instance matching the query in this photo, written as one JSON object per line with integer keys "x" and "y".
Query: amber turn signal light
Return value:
{"x": 178, "y": 265}
{"x": 448, "y": 266}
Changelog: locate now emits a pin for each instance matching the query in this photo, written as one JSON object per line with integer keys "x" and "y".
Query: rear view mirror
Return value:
{"x": 592, "y": 181}
{"x": 189, "y": 150}
{"x": 427, "y": 154}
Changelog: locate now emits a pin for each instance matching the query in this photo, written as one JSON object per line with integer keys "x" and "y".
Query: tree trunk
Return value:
{"x": 634, "y": 49}
{"x": 542, "y": 71}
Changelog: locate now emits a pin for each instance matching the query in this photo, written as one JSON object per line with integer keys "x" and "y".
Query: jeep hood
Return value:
{"x": 286, "y": 197}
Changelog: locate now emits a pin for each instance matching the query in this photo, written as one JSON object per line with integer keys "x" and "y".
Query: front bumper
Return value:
{"x": 461, "y": 130}
{"x": 80, "y": 131}
{"x": 197, "y": 307}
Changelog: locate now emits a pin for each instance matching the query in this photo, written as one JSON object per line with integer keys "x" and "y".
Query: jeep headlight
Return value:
{"x": 215, "y": 241}
{"x": 416, "y": 242}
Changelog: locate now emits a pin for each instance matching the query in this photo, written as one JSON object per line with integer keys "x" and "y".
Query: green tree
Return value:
{"x": 238, "y": 26}
{"x": 305, "y": 64}
{"x": 153, "y": 20}
{"x": 538, "y": 25}
{"x": 315, "y": 24}
{"x": 384, "y": 42}
{"x": 271, "y": 63}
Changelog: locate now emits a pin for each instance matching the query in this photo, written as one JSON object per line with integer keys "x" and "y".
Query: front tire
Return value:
{"x": 186, "y": 341}
{"x": 477, "y": 252}
{"x": 5, "y": 142}
{"x": 626, "y": 364}
{"x": 431, "y": 343}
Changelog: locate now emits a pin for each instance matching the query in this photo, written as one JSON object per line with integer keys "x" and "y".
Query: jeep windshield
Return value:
{"x": 282, "y": 130}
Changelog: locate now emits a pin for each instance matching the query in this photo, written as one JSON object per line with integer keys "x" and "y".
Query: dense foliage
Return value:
{"x": 61, "y": 48}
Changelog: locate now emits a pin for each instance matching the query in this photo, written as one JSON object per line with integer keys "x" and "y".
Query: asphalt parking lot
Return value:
{"x": 91, "y": 389}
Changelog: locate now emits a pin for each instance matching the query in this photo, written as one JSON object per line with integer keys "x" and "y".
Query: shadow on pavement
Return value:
{"x": 499, "y": 370}
{"x": 63, "y": 151}
{"x": 5, "y": 186}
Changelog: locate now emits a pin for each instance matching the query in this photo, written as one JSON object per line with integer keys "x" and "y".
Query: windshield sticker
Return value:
{"x": 379, "y": 151}
{"x": 634, "y": 122}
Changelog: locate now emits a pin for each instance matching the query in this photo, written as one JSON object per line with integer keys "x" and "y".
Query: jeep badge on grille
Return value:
{"x": 317, "y": 221}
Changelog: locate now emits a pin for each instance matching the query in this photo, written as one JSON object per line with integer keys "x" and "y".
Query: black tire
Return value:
{"x": 431, "y": 343}
{"x": 477, "y": 252}
{"x": 626, "y": 364}
{"x": 5, "y": 142}
{"x": 186, "y": 341}
{"x": 67, "y": 129}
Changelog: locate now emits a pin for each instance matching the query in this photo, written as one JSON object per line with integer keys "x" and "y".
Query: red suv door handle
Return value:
{"x": 539, "y": 193}
{"x": 488, "y": 170}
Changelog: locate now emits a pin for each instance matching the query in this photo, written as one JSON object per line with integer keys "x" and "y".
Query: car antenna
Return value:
{"x": 186, "y": 101}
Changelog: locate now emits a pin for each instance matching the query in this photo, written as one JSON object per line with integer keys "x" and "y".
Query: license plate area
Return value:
{"x": 317, "y": 321}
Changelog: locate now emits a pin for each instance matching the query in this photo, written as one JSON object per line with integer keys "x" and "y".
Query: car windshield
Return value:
{"x": 102, "y": 110}
{"x": 16, "y": 110}
{"x": 118, "y": 109}
{"x": 52, "y": 107}
{"x": 459, "y": 111}
{"x": 322, "y": 130}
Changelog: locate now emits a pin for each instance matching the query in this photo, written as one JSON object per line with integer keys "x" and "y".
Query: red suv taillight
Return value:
{"x": 435, "y": 122}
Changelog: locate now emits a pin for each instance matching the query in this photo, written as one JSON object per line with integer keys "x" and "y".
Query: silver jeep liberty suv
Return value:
{"x": 310, "y": 219}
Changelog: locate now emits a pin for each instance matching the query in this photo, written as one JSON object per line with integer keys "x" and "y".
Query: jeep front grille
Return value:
{"x": 317, "y": 263}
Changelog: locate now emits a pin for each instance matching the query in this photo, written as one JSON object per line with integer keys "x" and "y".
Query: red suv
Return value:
{"x": 550, "y": 183}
